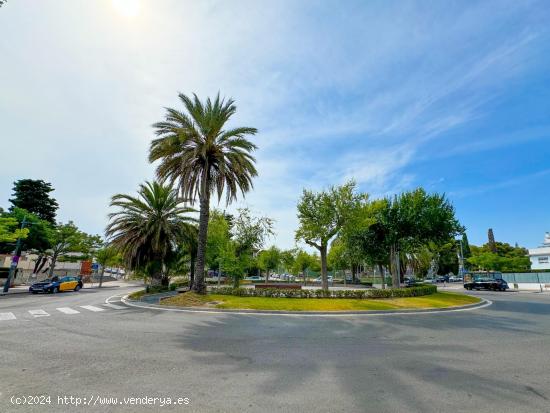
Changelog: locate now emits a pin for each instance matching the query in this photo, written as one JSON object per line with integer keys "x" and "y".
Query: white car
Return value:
{"x": 320, "y": 280}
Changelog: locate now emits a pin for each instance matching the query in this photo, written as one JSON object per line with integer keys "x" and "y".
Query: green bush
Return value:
{"x": 366, "y": 293}
{"x": 154, "y": 289}
{"x": 178, "y": 284}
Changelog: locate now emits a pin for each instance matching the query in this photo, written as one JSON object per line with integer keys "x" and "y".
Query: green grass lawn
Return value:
{"x": 437, "y": 300}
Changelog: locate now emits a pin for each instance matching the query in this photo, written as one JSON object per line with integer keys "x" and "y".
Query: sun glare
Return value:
{"x": 127, "y": 8}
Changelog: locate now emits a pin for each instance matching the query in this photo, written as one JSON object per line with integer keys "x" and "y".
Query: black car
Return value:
{"x": 442, "y": 279}
{"x": 56, "y": 284}
{"x": 495, "y": 284}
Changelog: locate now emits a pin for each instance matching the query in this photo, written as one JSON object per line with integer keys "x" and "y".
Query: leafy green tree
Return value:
{"x": 506, "y": 258}
{"x": 68, "y": 238}
{"x": 147, "y": 228}
{"x": 248, "y": 234}
{"x": 304, "y": 262}
{"x": 39, "y": 232}
{"x": 218, "y": 238}
{"x": 288, "y": 257}
{"x": 466, "y": 251}
{"x": 337, "y": 258}
{"x": 104, "y": 257}
{"x": 368, "y": 236}
{"x": 34, "y": 196}
{"x": 9, "y": 231}
{"x": 188, "y": 248}
{"x": 412, "y": 219}
{"x": 322, "y": 215}
{"x": 269, "y": 260}
{"x": 203, "y": 158}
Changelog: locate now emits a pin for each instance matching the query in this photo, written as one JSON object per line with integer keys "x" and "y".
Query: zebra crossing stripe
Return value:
{"x": 92, "y": 308}
{"x": 7, "y": 316}
{"x": 67, "y": 310}
{"x": 116, "y": 307}
{"x": 38, "y": 313}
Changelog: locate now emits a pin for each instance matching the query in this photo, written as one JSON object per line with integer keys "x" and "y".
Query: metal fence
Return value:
{"x": 527, "y": 277}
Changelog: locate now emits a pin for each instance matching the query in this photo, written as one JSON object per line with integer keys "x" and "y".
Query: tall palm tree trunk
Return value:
{"x": 199, "y": 285}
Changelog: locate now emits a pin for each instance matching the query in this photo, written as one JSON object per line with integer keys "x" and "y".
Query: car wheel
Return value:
{"x": 55, "y": 290}
{"x": 78, "y": 287}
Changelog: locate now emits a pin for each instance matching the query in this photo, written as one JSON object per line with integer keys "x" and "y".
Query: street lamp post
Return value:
{"x": 461, "y": 260}
{"x": 14, "y": 259}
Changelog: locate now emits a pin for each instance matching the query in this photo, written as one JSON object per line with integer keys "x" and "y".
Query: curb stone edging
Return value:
{"x": 133, "y": 303}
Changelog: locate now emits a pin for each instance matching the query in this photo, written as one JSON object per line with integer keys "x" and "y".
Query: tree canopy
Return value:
{"x": 203, "y": 157}
{"x": 504, "y": 258}
{"x": 323, "y": 214}
{"x": 147, "y": 228}
{"x": 34, "y": 196}
{"x": 9, "y": 231}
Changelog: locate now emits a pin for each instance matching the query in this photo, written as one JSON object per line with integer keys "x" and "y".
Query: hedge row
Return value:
{"x": 366, "y": 293}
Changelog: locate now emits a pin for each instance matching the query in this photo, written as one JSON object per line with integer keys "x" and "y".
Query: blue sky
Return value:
{"x": 453, "y": 96}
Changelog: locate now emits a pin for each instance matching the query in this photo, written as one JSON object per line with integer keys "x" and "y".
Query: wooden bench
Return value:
{"x": 279, "y": 286}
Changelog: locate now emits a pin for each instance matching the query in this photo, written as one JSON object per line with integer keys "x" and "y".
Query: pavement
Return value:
{"x": 493, "y": 359}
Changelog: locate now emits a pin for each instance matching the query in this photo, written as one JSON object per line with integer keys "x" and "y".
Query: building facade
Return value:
{"x": 540, "y": 257}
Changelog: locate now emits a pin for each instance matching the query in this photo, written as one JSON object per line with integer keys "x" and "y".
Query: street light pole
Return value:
{"x": 14, "y": 259}
{"x": 461, "y": 269}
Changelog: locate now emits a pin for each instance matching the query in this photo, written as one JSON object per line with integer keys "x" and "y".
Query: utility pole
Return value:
{"x": 14, "y": 259}
{"x": 461, "y": 261}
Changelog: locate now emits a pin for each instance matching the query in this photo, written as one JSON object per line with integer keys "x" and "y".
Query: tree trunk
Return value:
{"x": 101, "y": 275}
{"x": 266, "y": 276}
{"x": 198, "y": 285}
{"x": 382, "y": 276}
{"x": 192, "y": 271}
{"x": 323, "y": 251}
{"x": 396, "y": 278}
{"x": 52, "y": 265}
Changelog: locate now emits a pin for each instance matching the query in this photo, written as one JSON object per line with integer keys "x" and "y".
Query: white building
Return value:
{"x": 540, "y": 257}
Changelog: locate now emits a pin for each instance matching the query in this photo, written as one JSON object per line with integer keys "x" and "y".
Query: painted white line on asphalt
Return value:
{"x": 67, "y": 310}
{"x": 114, "y": 306}
{"x": 7, "y": 316}
{"x": 38, "y": 313}
{"x": 92, "y": 308}
{"x": 183, "y": 310}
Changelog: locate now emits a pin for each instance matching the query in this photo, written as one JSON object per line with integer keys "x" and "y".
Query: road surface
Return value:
{"x": 495, "y": 359}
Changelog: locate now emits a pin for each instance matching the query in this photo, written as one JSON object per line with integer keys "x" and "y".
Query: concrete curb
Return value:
{"x": 132, "y": 303}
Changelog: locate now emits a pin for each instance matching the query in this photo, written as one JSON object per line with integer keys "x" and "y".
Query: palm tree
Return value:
{"x": 147, "y": 228}
{"x": 197, "y": 153}
{"x": 189, "y": 238}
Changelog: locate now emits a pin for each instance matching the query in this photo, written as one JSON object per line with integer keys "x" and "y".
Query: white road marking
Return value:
{"x": 38, "y": 313}
{"x": 116, "y": 307}
{"x": 7, "y": 316}
{"x": 67, "y": 310}
{"x": 92, "y": 308}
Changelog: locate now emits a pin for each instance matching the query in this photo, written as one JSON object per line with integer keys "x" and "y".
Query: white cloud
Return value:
{"x": 356, "y": 93}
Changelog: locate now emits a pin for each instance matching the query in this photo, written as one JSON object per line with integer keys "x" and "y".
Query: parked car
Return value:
{"x": 254, "y": 278}
{"x": 442, "y": 278}
{"x": 455, "y": 279}
{"x": 411, "y": 282}
{"x": 428, "y": 281}
{"x": 319, "y": 279}
{"x": 496, "y": 284}
{"x": 56, "y": 284}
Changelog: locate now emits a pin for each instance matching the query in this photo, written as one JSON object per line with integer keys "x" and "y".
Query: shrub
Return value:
{"x": 178, "y": 284}
{"x": 370, "y": 293}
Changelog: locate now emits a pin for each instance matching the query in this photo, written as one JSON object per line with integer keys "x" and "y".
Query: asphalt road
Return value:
{"x": 495, "y": 359}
